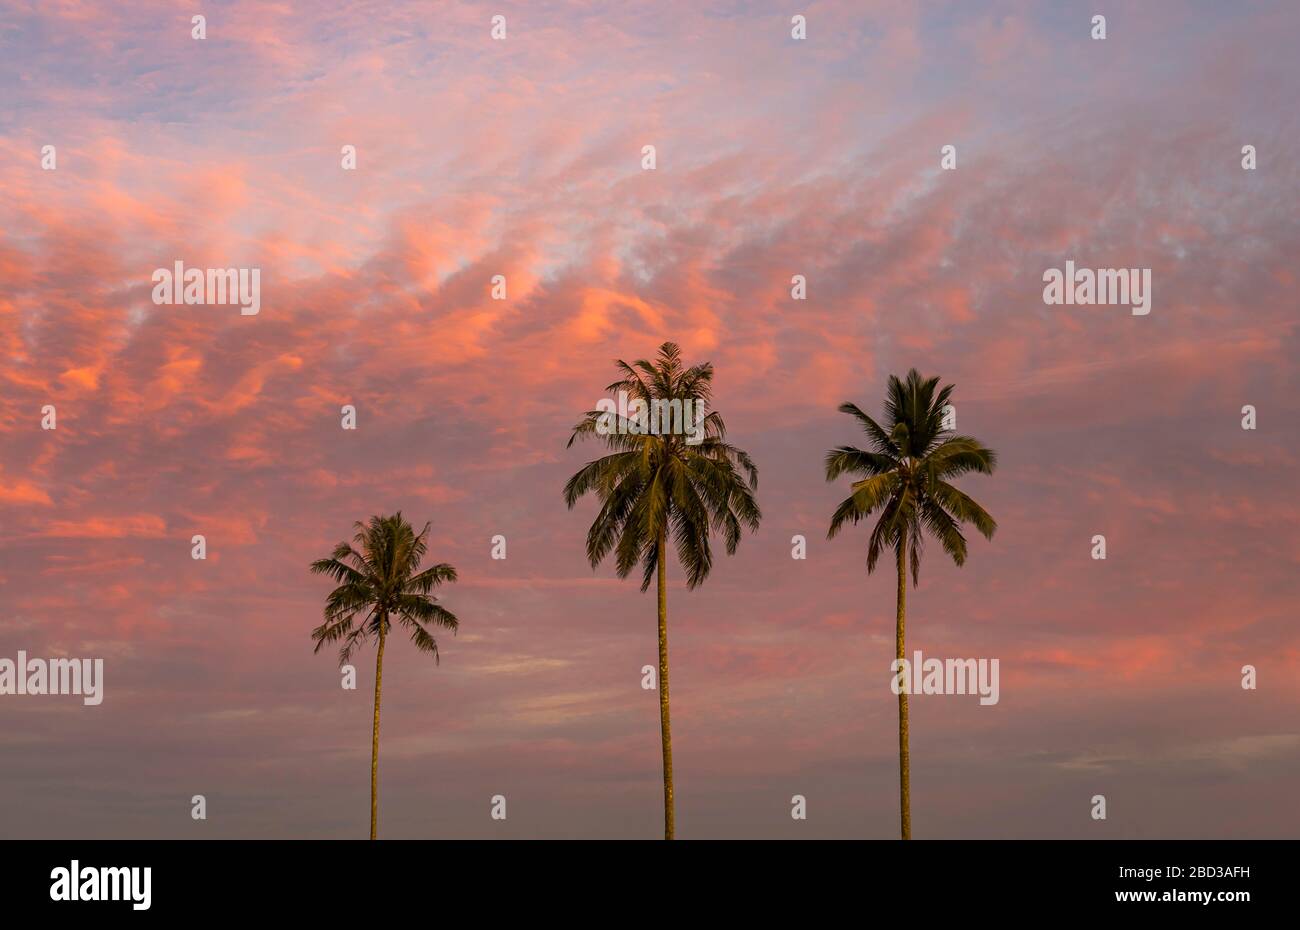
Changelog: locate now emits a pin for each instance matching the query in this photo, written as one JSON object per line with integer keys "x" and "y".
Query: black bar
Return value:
{"x": 638, "y": 881}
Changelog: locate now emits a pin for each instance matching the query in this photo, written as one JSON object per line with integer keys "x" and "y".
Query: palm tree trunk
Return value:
{"x": 904, "y": 766}
{"x": 374, "y": 742}
{"x": 665, "y": 730}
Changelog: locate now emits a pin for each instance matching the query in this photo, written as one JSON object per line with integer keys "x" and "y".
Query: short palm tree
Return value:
{"x": 379, "y": 581}
{"x": 659, "y": 482}
{"x": 905, "y": 478}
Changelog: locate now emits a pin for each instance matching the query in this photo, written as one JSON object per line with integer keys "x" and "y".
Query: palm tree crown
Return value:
{"x": 906, "y": 474}
{"x": 665, "y": 483}
{"x": 379, "y": 580}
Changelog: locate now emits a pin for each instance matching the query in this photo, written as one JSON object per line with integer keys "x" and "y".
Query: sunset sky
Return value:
{"x": 522, "y": 157}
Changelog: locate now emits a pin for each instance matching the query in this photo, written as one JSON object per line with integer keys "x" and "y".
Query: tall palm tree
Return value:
{"x": 379, "y": 581}
{"x": 905, "y": 478}
{"x": 658, "y": 481}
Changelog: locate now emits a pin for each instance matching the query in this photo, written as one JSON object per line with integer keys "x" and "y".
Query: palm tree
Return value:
{"x": 905, "y": 477}
{"x": 379, "y": 581}
{"x": 660, "y": 480}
